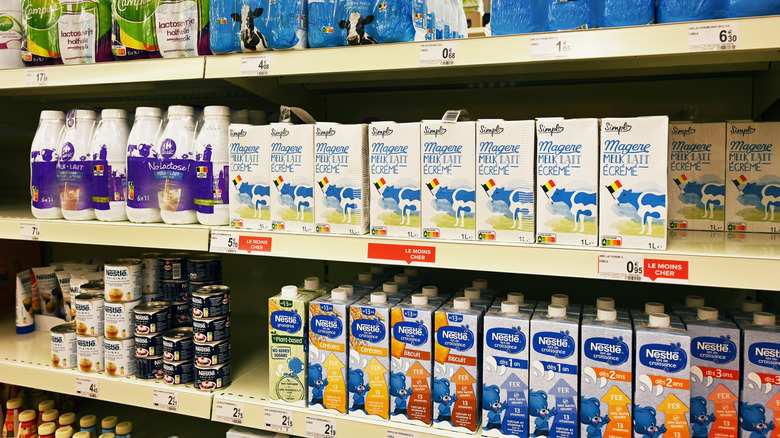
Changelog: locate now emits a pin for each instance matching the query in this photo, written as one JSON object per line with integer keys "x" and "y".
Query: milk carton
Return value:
{"x": 369, "y": 356}
{"x": 604, "y": 303}
{"x": 661, "y": 379}
{"x": 411, "y": 365}
{"x": 292, "y": 173}
{"x": 448, "y": 204}
{"x": 329, "y": 351}
{"x": 553, "y": 398}
{"x": 753, "y": 177}
{"x": 606, "y": 380}
{"x": 341, "y": 172}
{"x": 457, "y": 381}
{"x": 759, "y": 409}
{"x": 505, "y": 173}
{"x": 696, "y": 175}
{"x": 505, "y": 371}
{"x": 632, "y": 187}
{"x": 567, "y": 154}
{"x": 395, "y": 178}
{"x": 715, "y": 353}
{"x": 250, "y": 192}
{"x": 288, "y": 328}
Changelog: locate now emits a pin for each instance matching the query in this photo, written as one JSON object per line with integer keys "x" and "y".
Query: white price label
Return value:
{"x": 29, "y": 230}
{"x": 401, "y": 434}
{"x": 86, "y": 387}
{"x": 621, "y": 266}
{"x": 37, "y": 77}
{"x": 229, "y": 412}
{"x": 551, "y": 47}
{"x": 231, "y": 243}
{"x": 165, "y": 400}
{"x": 713, "y": 37}
{"x": 224, "y": 241}
{"x": 317, "y": 427}
{"x": 255, "y": 65}
{"x": 279, "y": 420}
{"x": 440, "y": 53}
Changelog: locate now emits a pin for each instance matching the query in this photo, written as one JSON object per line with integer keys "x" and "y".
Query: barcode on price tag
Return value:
{"x": 443, "y": 53}
{"x": 279, "y": 420}
{"x": 229, "y": 412}
{"x": 87, "y": 387}
{"x": 29, "y": 230}
{"x": 37, "y": 77}
{"x": 165, "y": 400}
{"x": 621, "y": 267}
{"x": 713, "y": 37}
{"x": 224, "y": 241}
{"x": 551, "y": 47}
{"x": 255, "y": 65}
{"x": 320, "y": 427}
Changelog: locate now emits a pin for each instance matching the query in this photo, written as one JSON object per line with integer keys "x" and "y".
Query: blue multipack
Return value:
{"x": 285, "y": 24}
{"x": 673, "y": 11}
{"x": 750, "y": 8}
{"x": 616, "y": 13}
{"x": 510, "y": 17}
{"x": 238, "y": 26}
{"x": 570, "y": 14}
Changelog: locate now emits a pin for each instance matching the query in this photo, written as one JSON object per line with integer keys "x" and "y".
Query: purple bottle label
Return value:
{"x": 108, "y": 185}
{"x": 175, "y": 183}
{"x": 210, "y": 187}
{"x": 75, "y": 183}
{"x": 44, "y": 187}
{"x": 141, "y": 184}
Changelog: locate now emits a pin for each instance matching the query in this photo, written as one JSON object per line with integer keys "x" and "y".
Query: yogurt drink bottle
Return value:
{"x": 74, "y": 168}
{"x": 43, "y": 162}
{"x": 174, "y": 178}
{"x": 142, "y": 151}
{"x": 211, "y": 154}
{"x": 109, "y": 182}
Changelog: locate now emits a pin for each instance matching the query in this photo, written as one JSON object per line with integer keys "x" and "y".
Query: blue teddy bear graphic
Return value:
{"x": 590, "y": 415}
{"x": 317, "y": 384}
{"x": 699, "y": 417}
{"x": 441, "y": 395}
{"x": 753, "y": 419}
{"x": 644, "y": 423}
{"x": 537, "y": 403}
{"x": 360, "y": 390}
{"x": 491, "y": 402}
{"x": 296, "y": 367}
{"x": 400, "y": 392}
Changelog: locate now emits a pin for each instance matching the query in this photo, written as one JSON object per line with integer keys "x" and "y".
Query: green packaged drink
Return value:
{"x": 40, "y": 43}
{"x": 134, "y": 35}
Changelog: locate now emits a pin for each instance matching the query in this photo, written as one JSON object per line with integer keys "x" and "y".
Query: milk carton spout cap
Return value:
{"x": 365, "y": 276}
{"x": 378, "y": 297}
{"x": 763, "y": 318}
{"x": 707, "y": 314}
{"x": 217, "y": 110}
{"x": 311, "y": 283}
{"x": 430, "y": 291}
{"x": 653, "y": 307}
{"x": 52, "y": 115}
{"x": 148, "y": 111}
{"x": 390, "y": 287}
{"x": 377, "y": 270}
{"x": 606, "y": 314}
{"x": 348, "y": 288}
{"x": 461, "y": 303}
{"x": 401, "y": 279}
{"x": 752, "y": 306}
{"x": 659, "y": 320}
{"x": 561, "y": 299}
{"x": 113, "y": 114}
{"x": 339, "y": 294}
{"x": 556, "y": 310}
{"x": 516, "y": 297}
{"x": 480, "y": 283}
{"x": 694, "y": 301}
{"x": 472, "y": 293}
{"x": 289, "y": 292}
{"x": 419, "y": 300}
{"x": 510, "y": 307}
{"x": 412, "y": 272}
{"x": 605, "y": 303}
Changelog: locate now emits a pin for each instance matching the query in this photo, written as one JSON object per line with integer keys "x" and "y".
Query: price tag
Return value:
{"x": 224, "y": 241}
{"x": 320, "y": 427}
{"x": 440, "y": 53}
{"x": 86, "y": 387}
{"x": 229, "y": 412}
{"x": 279, "y": 420}
{"x": 255, "y": 65}
{"x": 621, "y": 266}
{"x": 713, "y": 37}
{"x": 37, "y": 77}
{"x": 165, "y": 400}
{"x": 401, "y": 434}
{"x": 29, "y": 230}
{"x": 231, "y": 243}
{"x": 551, "y": 47}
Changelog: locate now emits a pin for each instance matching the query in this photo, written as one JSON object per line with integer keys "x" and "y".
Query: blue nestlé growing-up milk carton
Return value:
{"x": 760, "y": 402}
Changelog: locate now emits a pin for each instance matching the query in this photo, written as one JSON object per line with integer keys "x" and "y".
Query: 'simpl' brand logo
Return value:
{"x": 434, "y": 132}
{"x": 238, "y": 134}
{"x": 743, "y": 131}
{"x": 323, "y": 133}
{"x": 625, "y": 127}
{"x": 490, "y": 131}
{"x": 677, "y": 131}
{"x": 381, "y": 132}
{"x": 283, "y": 133}
{"x": 551, "y": 130}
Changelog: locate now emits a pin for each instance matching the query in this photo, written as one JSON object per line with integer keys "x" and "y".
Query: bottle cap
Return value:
{"x": 339, "y": 294}
{"x": 510, "y": 307}
{"x": 110, "y": 435}
{"x": 412, "y": 272}
{"x": 658, "y": 320}
{"x": 556, "y": 310}
{"x": 752, "y": 306}
{"x": 378, "y": 297}
{"x": 64, "y": 432}
{"x": 124, "y": 428}
{"x": 45, "y": 405}
{"x": 605, "y": 303}
{"x": 365, "y": 276}
{"x": 113, "y": 114}
{"x": 480, "y": 283}
{"x": 763, "y": 318}
{"x": 289, "y": 292}
{"x": 47, "y": 428}
{"x": 88, "y": 421}
{"x": 14, "y": 403}
{"x": 109, "y": 422}
{"x": 430, "y": 291}
{"x": 311, "y": 283}
{"x": 148, "y": 111}
{"x": 377, "y": 270}
{"x": 515, "y": 297}
{"x": 472, "y": 293}
{"x": 52, "y": 115}
{"x": 50, "y": 415}
{"x": 401, "y": 278}
{"x": 461, "y": 303}
{"x": 707, "y": 314}
{"x": 27, "y": 415}
{"x": 348, "y": 287}
{"x": 653, "y": 307}
{"x": 561, "y": 299}
{"x": 694, "y": 301}
{"x": 390, "y": 287}
{"x": 217, "y": 111}
{"x": 66, "y": 419}
{"x": 82, "y": 434}
{"x": 82, "y": 114}
{"x": 420, "y": 300}
{"x": 180, "y": 111}
{"x": 606, "y": 314}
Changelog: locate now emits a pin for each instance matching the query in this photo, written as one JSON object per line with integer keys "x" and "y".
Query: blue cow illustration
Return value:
{"x": 644, "y": 423}
{"x": 492, "y": 404}
{"x": 590, "y": 415}
{"x": 44, "y": 154}
{"x": 302, "y": 197}
{"x": 295, "y": 366}
{"x": 711, "y": 195}
{"x": 141, "y": 150}
{"x": 752, "y": 418}
{"x": 400, "y": 392}
{"x": 348, "y": 197}
{"x": 699, "y": 417}
{"x": 768, "y": 196}
{"x": 537, "y": 404}
{"x": 461, "y": 202}
{"x": 648, "y": 206}
{"x": 407, "y": 199}
{"x": 360, "y": 390}
{"x": 258, "y": 194}
{"x": 317, "y": 383}
{"x": 519, "y": 202}
{"x": 581, "y": 204}
{"x": 441, "y": 395}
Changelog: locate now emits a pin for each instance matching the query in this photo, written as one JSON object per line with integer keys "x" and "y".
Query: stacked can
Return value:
{"x": 211, "y": 334}
{"x": 123, "y": 281}
{"x": 90, "y": 304}
{"x": 151, "y": 277}
{"x": 63, "y": 346}
{"x": 151, "y": 320}
{"x": 175, "y": 287}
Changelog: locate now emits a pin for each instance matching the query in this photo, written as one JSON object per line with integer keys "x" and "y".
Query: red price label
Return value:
{"x": 666, "y": 269}
{"x": 403, "y": 253}
{"x": 254, "y": 244}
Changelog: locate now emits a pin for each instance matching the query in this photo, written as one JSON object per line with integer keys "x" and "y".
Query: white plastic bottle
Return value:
{"x": 141, "y": 151}
{"x": 108, "y": 149}
{"x": 211, "y": 152}
{"x": 74, "y": 168}
{"x": 11, "y": 34}
{"x": 44, "y": 191}
{"x": 175, "y": 180}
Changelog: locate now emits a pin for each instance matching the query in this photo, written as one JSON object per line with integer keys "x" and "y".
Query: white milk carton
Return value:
{"x": 753, "y": 177}
{"x": 661, "y": 378}
{"x": 696, "y": 173}
{"x": 760, "y": 400}
{"x": 567, "y": 159}
{"x": 632, "y": 187}
{"x": 505, "y": 371}
{"x": 606, "y": 380}
{"x": 341, "y": 175}
{"x": 448, "y": 204}
{"x": 292, "y": 173}
{"x": 715, "y": 354}
{"x": 395, "y": 177}
{"x": 505, "y": 179}
{"x": 250, "y": 193}
{"x": 554, "y": 373}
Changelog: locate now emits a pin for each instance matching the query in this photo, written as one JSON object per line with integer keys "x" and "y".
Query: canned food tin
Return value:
{"x": 174, "y": 266}
{"x": 123, "y": 280}
{"x": 211, "y": 329}
{"x": 180, "y": 314}
{"x": 212, "y": 353}
{"x": 119, "y": 356}
{"x": 119, "y": 319}
{"x": 175, "y": 290}
{"x": 151, "y": 272}
{"x": 89, "y": 352}
{"x": 149, "y": 367}
{"x": 150, "y": 344}
{"x": 150, "y": 298}
{"x": 195, "y": 285}
{"x": 211, "y": 301}
{"x": 152, "y": 317}
{"x": 204, "y": 267}
{"x": 177, "y": 344}
{"x": 177, "y": 373}
{"x": 63, "y": 346}
{"x": 89, "y": 313}
{"x": 213, "y": 377}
